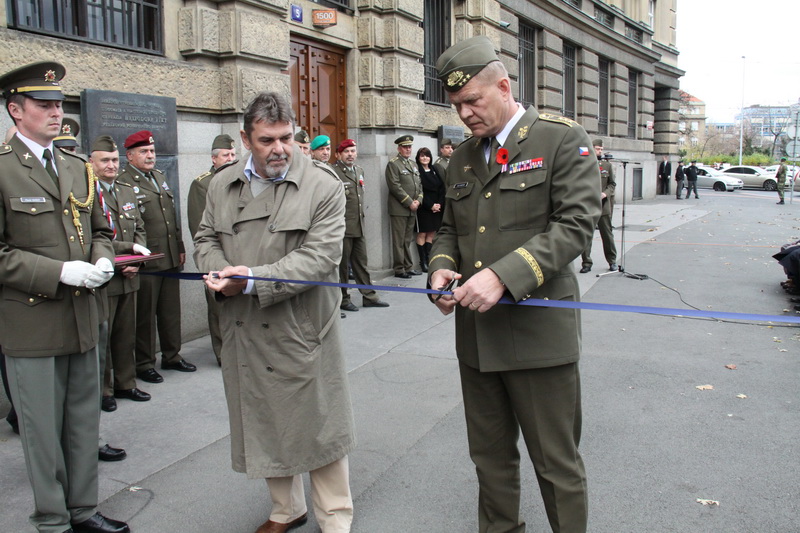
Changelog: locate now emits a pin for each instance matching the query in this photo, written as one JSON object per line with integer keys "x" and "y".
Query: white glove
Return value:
{"x": 141, "y": 250}
{"x": 101, "y": 273}
{"x": 76, "y": 273}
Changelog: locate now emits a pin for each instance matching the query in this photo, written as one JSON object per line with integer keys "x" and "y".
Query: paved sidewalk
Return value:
{"x": 653, "y": 443}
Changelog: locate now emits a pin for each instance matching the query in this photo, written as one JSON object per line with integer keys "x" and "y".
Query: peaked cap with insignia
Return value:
{"x": 302, "y": 137}
{"x": 69, "y": 132}
{"x": 222, "y": 142}
{"x": 37, "y": 80}
{"x": 404, "y": 140}
{"x": 462, "y": 61}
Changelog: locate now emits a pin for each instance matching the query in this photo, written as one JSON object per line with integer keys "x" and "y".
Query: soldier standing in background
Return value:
{"x": 223, "y": 151}
{"x": 303, "y": 141}
{"x": 159, "y": 299}
{"x": 445, "y": 151}
{"x": 607, "y": 187}
{"x": 405, "y": 197}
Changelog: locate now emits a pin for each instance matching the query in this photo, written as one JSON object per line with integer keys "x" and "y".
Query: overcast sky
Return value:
{"x": 714, "y": 35}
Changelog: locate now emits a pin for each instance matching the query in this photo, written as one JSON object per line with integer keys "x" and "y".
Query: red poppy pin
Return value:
{"x": 502, "y": 158}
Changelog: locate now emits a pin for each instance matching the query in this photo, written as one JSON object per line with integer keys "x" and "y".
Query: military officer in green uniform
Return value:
{"x": 119, "y": 203}
{"x": 159, "y": 298}
{"x": 223, "y": 152}
{"x": 604, "y": 226}
{"x": 780, "y": 178}
{"x": 303, "y": 141}
{"x": 405, "y": 197}
{"x": 321, "y": 148}
{"x": 354, "y": 246}
{"x": 523, "y": 198}
{"x": 55, "y": 250}
{"x": 445, "y": 152}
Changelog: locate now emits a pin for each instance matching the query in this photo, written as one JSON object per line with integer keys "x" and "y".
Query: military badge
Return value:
{"x": 136, "y": 189}
{"x": 583, "y": 151}
{"x": 165, "y": 186}
{"x": 528, "y": 164}
{"x": 26, "y": 156}
{"x": 128, "y": 206}
{"x": 523, "y": 132}
{"x": 457, "y": 79}
{"x": 50, "y": 76}
{"x": 152, "y": 141}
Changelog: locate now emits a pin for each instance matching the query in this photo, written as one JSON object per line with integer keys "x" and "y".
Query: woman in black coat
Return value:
{"x": 429, "y": 214}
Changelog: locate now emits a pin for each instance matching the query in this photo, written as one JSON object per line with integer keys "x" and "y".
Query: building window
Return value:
{"x": 568, "y": 93}
{"x": 651, "y": 13}
{"x": 695, "y": 125}
{"x": 527, "y": 65}
{"x": 574, "y": 3}
{"x": 603, "y": 17}
{"x": 603, "y": 97}
{"x": 634, "y": 34}
{"x": 345, "y": 4}
{"x": 436, "y": 27}
{"x": 633, "y": 101}
{"x": 132, "y": 24}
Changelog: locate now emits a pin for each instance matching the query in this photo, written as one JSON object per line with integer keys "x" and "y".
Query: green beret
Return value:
{"x": 39, "y": 81}
{"x": 405, "y": 140}
{"x": 597, "y": 142}
{"x": 462, "y": 61}
{"x": 302, "y": 137}
{"x": 783, "y": 159}
{"x": 320, "y": 141}
{"x": 222, "y": 142}
{"x": 104, "y": 143}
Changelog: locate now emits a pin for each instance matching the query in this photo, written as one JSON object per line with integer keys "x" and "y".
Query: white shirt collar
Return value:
{"x": 36, "y": 148}
{"x": 502, "y": 137}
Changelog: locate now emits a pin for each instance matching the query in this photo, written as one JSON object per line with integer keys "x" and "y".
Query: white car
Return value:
{"x": 755, "y": 177}
{"x": 709, "y": 178}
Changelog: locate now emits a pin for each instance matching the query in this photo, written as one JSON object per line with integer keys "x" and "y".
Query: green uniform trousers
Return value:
{"x": 354, "y": 251}
{"x": 158, "y": 308}
{"x": 58, "y": 405}
{"x": 609, "y": 247}
{"x": 545, "y": 403}
{"x": 402, "y": 235}
{"x": 119, "y": 348}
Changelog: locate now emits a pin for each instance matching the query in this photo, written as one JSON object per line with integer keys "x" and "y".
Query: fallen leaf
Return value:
{"x": 741, "y": 396}
{"x": 707, "y": 502}
{"x": 783, "y": 350}
{"x": 730, "y": 367}
{"x": 134, "y": 488}
{"x": 704, "y": 387}
{"x": 776, "y": 339}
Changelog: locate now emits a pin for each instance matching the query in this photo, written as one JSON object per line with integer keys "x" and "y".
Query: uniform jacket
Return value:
{"x": 402, "y": 178}
{"x": 353, "y": 181}
{"x": 527, "y": 226}
{"x": 607, "y": 185}
{"x": 690, "y": 172}
{"x": 441, "y": 166}
{"x": 282, "y": 360}
{"x": 40, "y": 316}
{"x": 157, "y": 209}
{"x": 196, "y": 201}
{"x": 129, "y": 231}
{"x": 680, "y": 175}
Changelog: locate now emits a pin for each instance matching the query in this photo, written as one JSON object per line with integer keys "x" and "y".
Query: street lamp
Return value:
{"x": 741, "y": 117}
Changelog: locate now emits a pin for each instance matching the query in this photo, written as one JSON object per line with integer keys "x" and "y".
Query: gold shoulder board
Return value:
{"x": 558, "y": 119}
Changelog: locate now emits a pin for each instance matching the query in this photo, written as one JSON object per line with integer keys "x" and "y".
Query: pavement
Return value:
{"x": 654, "y": 444}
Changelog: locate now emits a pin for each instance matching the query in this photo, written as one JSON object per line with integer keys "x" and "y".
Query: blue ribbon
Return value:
{"x": 561, "y": 304}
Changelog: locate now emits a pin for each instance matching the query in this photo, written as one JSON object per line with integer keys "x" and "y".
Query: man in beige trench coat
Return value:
{"x": 281, "y": 215}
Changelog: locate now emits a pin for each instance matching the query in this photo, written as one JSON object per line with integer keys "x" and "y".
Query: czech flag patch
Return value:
{"x": 583, "y": 150}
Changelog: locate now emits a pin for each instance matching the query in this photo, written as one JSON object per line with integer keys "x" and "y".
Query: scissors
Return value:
{"x": 446, "y": 288}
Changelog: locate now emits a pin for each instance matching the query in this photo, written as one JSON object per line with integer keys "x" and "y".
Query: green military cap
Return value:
{"x": 446, "y": 141}
{"x": 597, "y": 142}
{"x": 69, "y": 130}
{"x": 320, "y": 141}
{"x": 462, "y": 61}
{"x": 302, "y": 137}
{"x": 783, "y": 159}
{"x": 405, "y": 140}
{"x": 37, "y": 80}
{"x": 104, "y": 143}
{"x": 222, "y": 142}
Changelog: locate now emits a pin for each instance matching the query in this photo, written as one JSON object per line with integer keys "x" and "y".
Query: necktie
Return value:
{"x": 493, "y": 146}
{"x": 106, "y": 211}
{"x": 48, "y": 165}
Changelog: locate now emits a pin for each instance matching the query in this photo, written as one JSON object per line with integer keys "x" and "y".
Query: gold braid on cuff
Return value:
{"x": 537, "y": 271}
{"x": 437, "y": 256}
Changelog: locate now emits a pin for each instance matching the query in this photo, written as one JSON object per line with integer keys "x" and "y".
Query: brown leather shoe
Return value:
{"x": 276, "y": 527}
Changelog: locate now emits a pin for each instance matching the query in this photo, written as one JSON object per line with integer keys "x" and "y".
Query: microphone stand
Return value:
{"x": 621, "y": 264}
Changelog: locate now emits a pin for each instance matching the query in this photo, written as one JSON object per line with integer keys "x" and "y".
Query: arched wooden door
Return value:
{"x": 319, "y": 91}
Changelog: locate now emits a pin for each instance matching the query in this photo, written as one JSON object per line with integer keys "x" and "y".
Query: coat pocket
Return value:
{"x": 524, "y": 200}
{"x": 34, "y": 224}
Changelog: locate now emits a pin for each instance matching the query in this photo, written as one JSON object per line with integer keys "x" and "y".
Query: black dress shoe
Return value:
{"x": 404, "y": 275}
{"x": 109, "y": 454}
{"x": 14, "y": 425}
{"x": 108, "y": 404}
{"x": 132, "y": 394}
{"x": 348, "y": 307}
{"x": 586, "y": 269}
{"x": 376, "y": 303}
{"x": 415, "y": 272}
{"x": 180, "y": 366}
{"x": 613, "y": 267}
{"x": 342, "y": 315}
{"x": 150, "y": 375}
{"x": 100, "y": 524}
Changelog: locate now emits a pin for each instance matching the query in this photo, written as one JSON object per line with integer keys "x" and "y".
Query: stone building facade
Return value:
{"x": 612, "y": 66}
